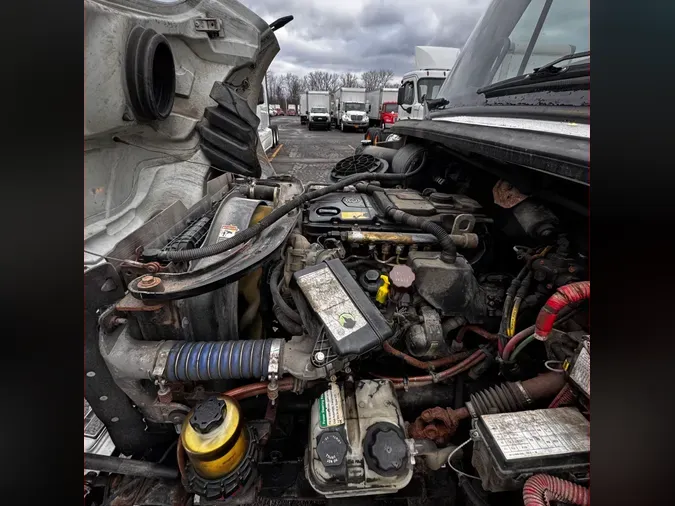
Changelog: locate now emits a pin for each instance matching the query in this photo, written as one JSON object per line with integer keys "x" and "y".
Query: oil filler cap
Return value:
{"x": 388, "y": 451}
{"x": 331, "y": 449}
{"x": 208, "y": 415}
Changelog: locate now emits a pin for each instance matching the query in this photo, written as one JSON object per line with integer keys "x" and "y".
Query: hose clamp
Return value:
{"x": 521, "y": 389}
{"x": 159, "y": 370}
{"x": 275, "y": 359}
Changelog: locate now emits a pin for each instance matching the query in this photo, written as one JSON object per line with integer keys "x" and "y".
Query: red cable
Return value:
{"x": 541, "y": 489}
{"x": 515, "y": 341}
{"x": 564, "y": 296}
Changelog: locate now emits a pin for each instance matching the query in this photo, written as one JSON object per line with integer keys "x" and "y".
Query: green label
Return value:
{"x": 330, "y": 407}
{"x": 322, "y": 411}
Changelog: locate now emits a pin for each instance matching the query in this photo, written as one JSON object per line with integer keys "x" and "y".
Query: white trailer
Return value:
{"x": 318, "y": 105}
{"x": 381, "y": 106}
{"x": 433, "y": 64}
{"x": 350, "y": 109}
{"x": 267, "y": 133}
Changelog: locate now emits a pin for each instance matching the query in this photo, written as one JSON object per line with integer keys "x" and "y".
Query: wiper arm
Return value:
{"x": 545, "y": 77}
{"x": 551, "y": 67}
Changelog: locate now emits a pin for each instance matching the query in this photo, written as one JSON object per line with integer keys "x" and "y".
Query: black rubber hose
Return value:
{"x": 289, "y": 325}
{"x": 188, "y": 255}
{"x": 129, "y": 467}
{"x": 470, "y": 492}
{"x": 279, "y": 301}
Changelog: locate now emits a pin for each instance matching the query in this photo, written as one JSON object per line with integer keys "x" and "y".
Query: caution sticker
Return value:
{"x": 227, "y": 231}
{"x": 330, "y": 407}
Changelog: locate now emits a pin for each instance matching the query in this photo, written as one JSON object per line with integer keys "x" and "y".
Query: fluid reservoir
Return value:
{"x": 215, "y": 438}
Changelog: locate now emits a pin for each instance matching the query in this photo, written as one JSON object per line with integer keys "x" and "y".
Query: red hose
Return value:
{"x": 253, "y": 389}
{"x": 476, "y": 330}
{"x": 541, "y": 489}
{"x": 465, "y": 364}
{"x": 566, "y": 295}
{"x": 564, "y": 397}
{"x": 420, "y": 364}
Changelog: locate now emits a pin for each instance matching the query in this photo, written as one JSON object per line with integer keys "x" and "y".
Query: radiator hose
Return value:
{"x": 187, "y": 255}
{"x": 564, "y": 296}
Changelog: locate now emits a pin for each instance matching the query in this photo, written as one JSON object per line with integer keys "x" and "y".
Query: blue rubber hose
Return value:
{"x": 214, "y": 360}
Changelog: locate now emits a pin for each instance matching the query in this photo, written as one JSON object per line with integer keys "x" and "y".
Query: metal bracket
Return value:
{"x": 463, "y": 224}
{"x": 213, "y": 27}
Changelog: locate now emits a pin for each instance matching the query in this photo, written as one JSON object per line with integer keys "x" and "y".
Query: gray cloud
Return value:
{"x": 355, "y": 36}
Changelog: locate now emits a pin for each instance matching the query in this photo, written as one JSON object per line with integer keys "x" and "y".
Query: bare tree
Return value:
{"x": 349, "y": 80}
{"x": 374, "y": 79}
{"x": 293, "y": 85}
{"x": 275, "y": 88}
{"x": 321, "y": 81}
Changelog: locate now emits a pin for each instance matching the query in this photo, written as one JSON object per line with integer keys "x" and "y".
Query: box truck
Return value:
{"x": 350, "y": 109}
{"x": 382, "y": 107}
{"x": 318, "y": 104}
{"x": 290, "y": 110}
{"x": 433, "y": 64}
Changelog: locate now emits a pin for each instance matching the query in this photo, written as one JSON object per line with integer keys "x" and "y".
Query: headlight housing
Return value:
{"x": 345, "y": 117}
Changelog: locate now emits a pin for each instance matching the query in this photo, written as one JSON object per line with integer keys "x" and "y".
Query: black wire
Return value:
{"x": 168, "y": 450}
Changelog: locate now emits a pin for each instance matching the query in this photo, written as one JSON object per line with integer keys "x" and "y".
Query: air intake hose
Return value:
{"x": 213, "y": 360}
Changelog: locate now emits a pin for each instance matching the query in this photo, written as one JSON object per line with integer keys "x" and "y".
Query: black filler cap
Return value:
{"x": 388, "y": 451}
{"x": 208, "y": 415}
{"x": 331, "y": 449}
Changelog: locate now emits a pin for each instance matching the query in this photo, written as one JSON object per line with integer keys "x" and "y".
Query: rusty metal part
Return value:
{"x": 150, "y": 283}
{"x": 164, "y": 394}
{"x": 437, "y": 424}
{"x": 464, "y": 240}
{"x": 131, "y": 304}
{"x": 506, "y": 195}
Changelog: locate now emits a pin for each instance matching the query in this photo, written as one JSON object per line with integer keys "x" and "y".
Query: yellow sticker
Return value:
{"x": 354, "y": 215}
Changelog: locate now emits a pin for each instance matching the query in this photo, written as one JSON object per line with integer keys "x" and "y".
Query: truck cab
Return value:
{"x": 433, "y": 66}
{"x": 350, "y": 109}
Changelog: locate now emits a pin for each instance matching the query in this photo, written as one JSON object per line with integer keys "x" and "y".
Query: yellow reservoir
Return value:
{"x": 214, "y": 437}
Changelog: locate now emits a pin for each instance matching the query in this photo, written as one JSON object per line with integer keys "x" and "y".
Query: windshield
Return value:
{"x": 354, "y": 106}
{"x": 428, "y": 87}
{"x": 390, "y": 107}
{"x": 513, "y": 38}
{"x": 319, "y": 109}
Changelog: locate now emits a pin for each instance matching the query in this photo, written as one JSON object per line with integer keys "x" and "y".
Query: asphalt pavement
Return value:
{"x": 310, "y": 156}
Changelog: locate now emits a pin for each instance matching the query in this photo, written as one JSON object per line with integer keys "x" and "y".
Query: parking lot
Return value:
{"x": 310, "y": 156}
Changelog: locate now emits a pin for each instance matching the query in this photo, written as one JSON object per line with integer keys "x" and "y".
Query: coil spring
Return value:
{"x": 212, "y": 360}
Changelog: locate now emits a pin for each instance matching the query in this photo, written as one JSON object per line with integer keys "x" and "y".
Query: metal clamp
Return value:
{"x": 275, "y": 359}
{"x": 521, "y": 389}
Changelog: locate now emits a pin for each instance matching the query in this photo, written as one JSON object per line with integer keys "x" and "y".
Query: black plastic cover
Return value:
{"x": 353, "y": 324}
{"x": 208, "y": 415}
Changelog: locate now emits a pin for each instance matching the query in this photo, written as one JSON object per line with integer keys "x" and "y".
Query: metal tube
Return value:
{"x": 468, "y": 240}
{"x": 129, "y": 467}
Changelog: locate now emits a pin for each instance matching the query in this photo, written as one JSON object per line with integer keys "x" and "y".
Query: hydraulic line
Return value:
{"x": 129, "y": 467}
{"x": 245, "y": 235}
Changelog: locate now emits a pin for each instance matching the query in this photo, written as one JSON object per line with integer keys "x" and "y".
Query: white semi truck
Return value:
{"x": 268, "y": 134}
{"x": 433, "y": 64}
{"x": 349, "y": 109}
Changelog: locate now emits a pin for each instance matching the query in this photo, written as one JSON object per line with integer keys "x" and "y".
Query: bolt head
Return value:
{"x": 320, "y": 356}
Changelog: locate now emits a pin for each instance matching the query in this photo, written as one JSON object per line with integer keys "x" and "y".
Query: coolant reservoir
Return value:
{"x": 215, "y": 437}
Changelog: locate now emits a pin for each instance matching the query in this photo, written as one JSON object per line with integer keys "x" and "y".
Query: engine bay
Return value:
{"x": 393, "y": 335}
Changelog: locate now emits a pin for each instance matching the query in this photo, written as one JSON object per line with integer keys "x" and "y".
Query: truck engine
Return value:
{"x": 334, "y": 340}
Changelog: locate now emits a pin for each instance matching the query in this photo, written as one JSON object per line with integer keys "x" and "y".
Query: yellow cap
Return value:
{"x": 383, "y": 290}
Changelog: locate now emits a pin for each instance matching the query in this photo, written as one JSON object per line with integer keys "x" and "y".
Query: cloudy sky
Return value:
{"x": 355, "y": 35}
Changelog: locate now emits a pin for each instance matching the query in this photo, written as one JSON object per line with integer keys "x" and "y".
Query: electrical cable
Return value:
{"x": 461, "y": 473}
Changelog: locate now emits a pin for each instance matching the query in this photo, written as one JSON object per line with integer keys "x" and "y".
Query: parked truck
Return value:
{"x": 290, "y": 110}
{"x": 304, "y": 108}
{"x": 433, "y": 64}
{"x": 382, "y": 107}
{"x": 350, "y": 109}
{"x": 318, "y": 106}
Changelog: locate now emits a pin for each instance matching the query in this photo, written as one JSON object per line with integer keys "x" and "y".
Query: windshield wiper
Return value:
{"x": 545, "y": 77}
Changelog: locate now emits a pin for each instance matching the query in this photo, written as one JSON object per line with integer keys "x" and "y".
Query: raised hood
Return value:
{"x": 434, "y": 57}
{"x": 148, "y": 143}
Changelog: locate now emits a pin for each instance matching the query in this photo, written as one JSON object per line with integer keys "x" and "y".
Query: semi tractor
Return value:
{"x": 433, "y": 64}
{"x": 382, "y": 107}
{"x": 349, "y": 109}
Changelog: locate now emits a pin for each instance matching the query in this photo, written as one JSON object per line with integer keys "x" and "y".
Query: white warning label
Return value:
{"x": 331, "y": 303}
{"x": 330, "y": 407}
{"x": 581, "y": 372}
{"x": 539, "y": 433}
{"x": 227, "y": 231}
